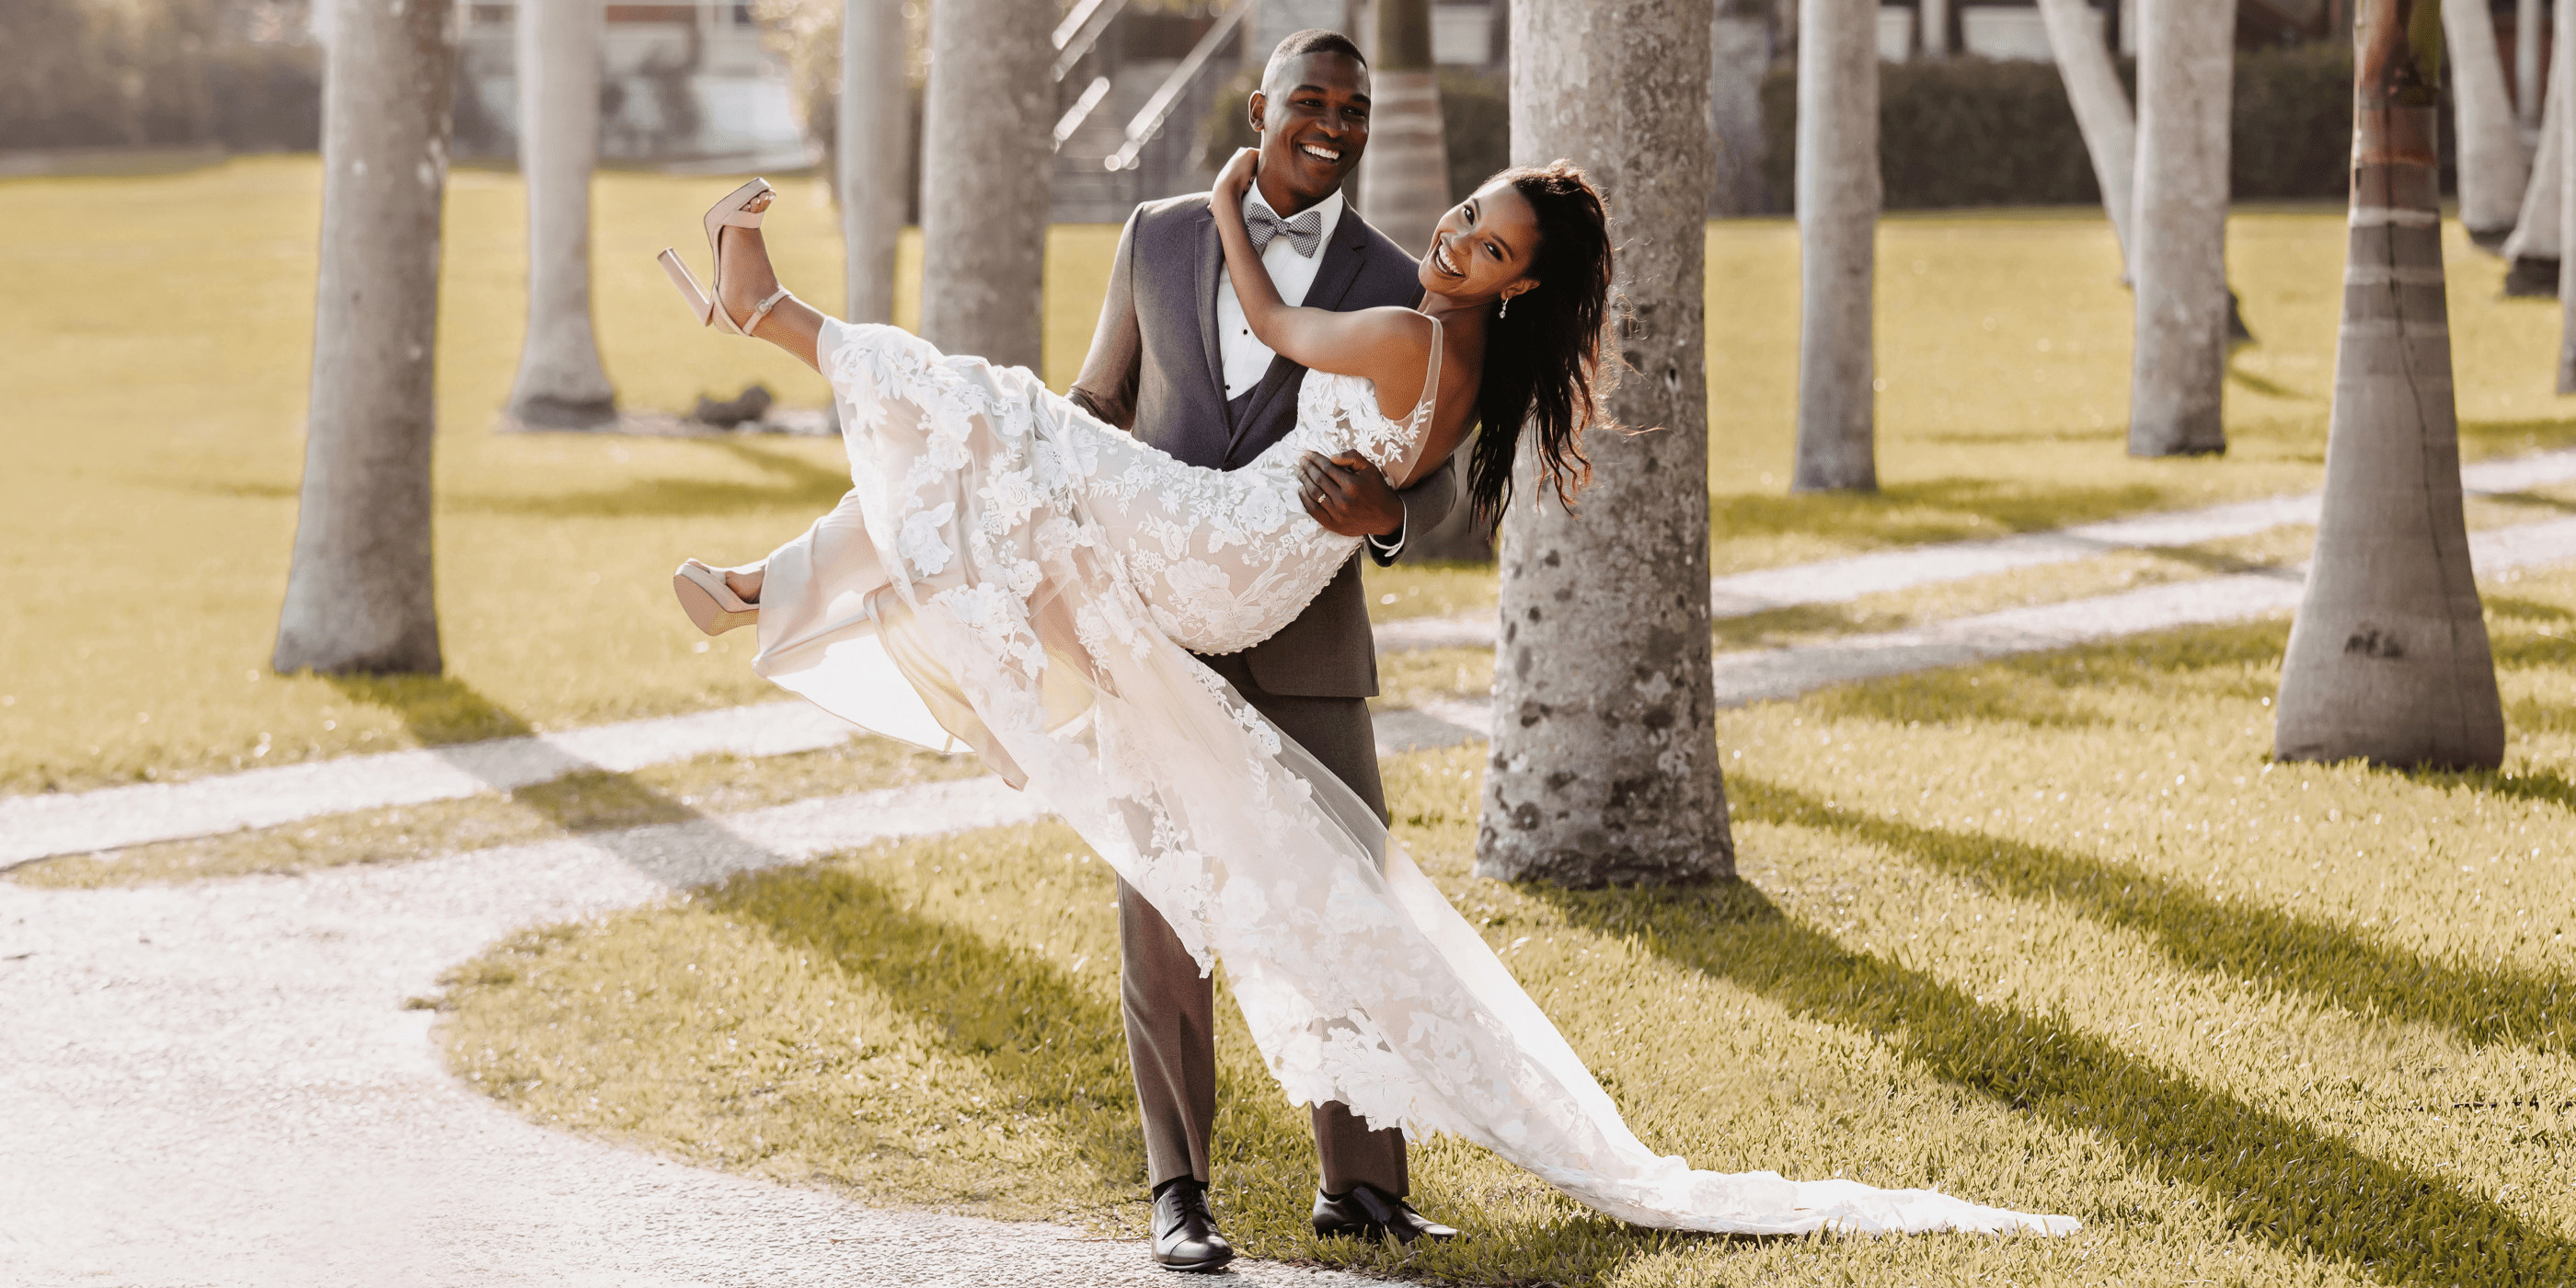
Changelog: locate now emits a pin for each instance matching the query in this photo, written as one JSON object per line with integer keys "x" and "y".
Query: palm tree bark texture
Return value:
{"x": 2178, "y": 255}
{"x": 358, "y": 596}
{"x": 2388, "y": 659}
{"x": 1404, "y": 181}
{"x": 986, "y": 168}
{"x": 561, "y": 384}
{"x": 873, "y": 153}
{"x": 1604, "y": 765}
{"x": 1838, "y": 198}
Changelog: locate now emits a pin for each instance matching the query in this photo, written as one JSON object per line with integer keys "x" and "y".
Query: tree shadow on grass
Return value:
{"x": 2063, "y": 688}
{"x": 2517, "y": 608}
{"x": 2270, "y": 1177}
{"x": 2545, "y": 787}
{"x": 435, "y": 709}
{"x": 793, "y": 482}
{"x": 1057, "y": 1046}
{"x": 2489, "y": 1006}
{"x": 2484, "y": 439}
{"x": 1024, "y": 1021}
{"x": 1934, "y": 510}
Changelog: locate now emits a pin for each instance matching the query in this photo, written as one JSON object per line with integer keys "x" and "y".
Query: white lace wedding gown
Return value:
{"x": 1011, "y": 574}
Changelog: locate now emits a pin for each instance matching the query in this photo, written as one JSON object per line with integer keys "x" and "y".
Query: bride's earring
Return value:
{"x": 1507, "y": 308}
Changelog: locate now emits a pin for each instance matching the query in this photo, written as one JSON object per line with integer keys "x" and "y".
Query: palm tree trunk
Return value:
{"x": 2563, "y": 73}
{"x": 1837, "y": 197}
{"x": 2101, "y": 107}
{"x": 2532, "y": 249}
{"x": 2493, "y": 167}
{"x": 873, "y": 153}
{"x": 2526, "y": 66}
{"x": 985, "y": 173}
{"x": 358, "y": 597}
{"x": 1404, "y": 187}
{"x": 2178, "y": 248}
{"x": 2389, "y": 659}
{"x": 561, "y": 383}
{"x": 1605, "y": 758}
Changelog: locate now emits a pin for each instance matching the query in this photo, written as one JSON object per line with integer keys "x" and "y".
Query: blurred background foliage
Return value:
{"x": 1967, "y": 131}
{"x": 235, "y": 74}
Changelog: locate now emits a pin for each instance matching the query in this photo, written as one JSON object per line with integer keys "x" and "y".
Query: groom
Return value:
{"x": 1174, "y": 363}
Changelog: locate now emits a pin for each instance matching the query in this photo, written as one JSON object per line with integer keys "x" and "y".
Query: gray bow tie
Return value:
{"x": 1305, "y": 231}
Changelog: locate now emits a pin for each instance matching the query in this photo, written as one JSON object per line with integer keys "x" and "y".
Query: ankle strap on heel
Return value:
{"x": 752, "y": 323}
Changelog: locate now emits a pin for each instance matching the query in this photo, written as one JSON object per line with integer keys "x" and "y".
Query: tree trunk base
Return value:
{"x": 2532, "y": 278}
{"x": 544, "y": 413}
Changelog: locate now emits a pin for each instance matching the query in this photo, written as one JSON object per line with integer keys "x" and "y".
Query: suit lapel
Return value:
{"x": 1211, "y": 261}
{"x": 1333, "y": 281}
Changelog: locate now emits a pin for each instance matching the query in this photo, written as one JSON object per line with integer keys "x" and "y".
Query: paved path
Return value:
{"x": 1839, "y": 581}
{"x": 1761, "y": 675}
{"x": 40, "y": 826}
{"x": 34, "y": 827}
{"x": 214, "y": 1083}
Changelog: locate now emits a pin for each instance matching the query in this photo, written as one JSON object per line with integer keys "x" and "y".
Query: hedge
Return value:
{"x": 1972, "y": 132}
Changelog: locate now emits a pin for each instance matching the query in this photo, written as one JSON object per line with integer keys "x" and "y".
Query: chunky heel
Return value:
{"x": 708, "y": 601}
{"x": 680, "y": 276}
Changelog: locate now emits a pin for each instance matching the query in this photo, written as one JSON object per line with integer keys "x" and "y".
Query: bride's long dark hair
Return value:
{"x": 1543, "y": 359}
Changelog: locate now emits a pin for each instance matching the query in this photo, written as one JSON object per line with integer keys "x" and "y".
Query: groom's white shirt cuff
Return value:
{"x": 1387, "y": 548}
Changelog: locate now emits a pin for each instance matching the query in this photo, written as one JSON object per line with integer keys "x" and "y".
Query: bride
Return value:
{"x": 1010, "y": 574}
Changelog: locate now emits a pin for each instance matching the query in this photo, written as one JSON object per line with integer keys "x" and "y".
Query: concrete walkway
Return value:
{"x": 1840, "y": 581}
{"x": 215, "y": 1083}
{"x": 41, "y": 826}
{"x": 1762, "y": 675}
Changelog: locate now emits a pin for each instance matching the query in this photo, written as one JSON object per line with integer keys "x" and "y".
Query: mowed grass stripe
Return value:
{"x": 585, "y": 802}
{"x": 2050, "y": 931}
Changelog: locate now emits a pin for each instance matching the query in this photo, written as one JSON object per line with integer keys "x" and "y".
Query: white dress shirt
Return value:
{"x": 1247, "y": 359}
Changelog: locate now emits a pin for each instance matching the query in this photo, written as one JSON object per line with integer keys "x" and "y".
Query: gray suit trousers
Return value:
{"x": 1171, "y": 1009}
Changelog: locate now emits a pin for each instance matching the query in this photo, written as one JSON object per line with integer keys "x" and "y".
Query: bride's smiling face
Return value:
{"x": 1482, "y": 248}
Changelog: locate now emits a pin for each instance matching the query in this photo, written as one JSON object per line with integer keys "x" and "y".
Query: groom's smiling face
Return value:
{"x": 1313, "y": 115}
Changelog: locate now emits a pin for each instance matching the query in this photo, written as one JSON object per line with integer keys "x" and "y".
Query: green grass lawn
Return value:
{"x": 156, "y": 335}
{"x": 2052, "y": 933}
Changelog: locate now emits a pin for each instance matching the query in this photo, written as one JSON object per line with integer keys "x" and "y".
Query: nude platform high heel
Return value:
{"x": 708, "y": 304}
{"x": 708, "y": 601}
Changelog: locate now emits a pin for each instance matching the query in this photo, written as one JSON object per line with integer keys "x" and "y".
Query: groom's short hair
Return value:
{"x": 1313, "y": 40}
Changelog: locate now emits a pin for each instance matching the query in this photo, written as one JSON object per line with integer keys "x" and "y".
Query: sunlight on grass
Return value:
{"x": 2051, "y": 932}
{"x": 584, "y": 801}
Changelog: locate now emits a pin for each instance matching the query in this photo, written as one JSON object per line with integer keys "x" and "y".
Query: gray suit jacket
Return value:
{"x": 1155, "y": 370}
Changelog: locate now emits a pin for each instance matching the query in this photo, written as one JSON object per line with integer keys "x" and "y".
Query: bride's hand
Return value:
{"x": 1236, "y": 179}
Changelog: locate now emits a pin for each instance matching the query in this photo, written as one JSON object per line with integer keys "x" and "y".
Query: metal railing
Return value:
{"x": 1158, "y": 110}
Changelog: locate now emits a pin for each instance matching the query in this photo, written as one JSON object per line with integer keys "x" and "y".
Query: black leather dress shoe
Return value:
{"x": 1372, "y": 1213}
{"x": 1185, "y": 1237}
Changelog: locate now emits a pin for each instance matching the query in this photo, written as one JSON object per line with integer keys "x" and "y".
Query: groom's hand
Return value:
{"x": 1348, "y": 496}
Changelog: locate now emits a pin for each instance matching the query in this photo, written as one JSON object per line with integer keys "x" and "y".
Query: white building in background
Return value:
{"x": 687, "y": 82}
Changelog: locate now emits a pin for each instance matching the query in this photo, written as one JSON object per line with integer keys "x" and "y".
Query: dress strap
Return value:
{"x": 1430, "y": 380}
{"x": 1418, "y": 425}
